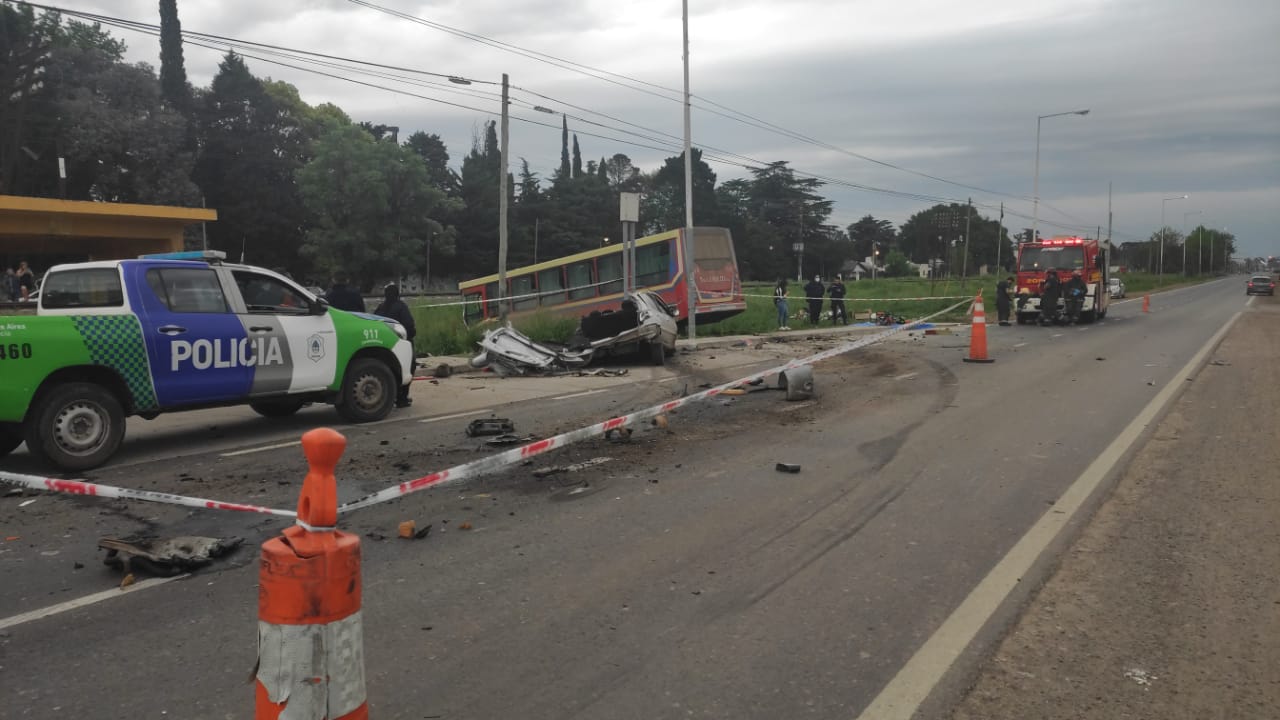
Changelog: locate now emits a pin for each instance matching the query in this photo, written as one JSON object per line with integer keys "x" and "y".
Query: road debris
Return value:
{"x": 618, "y": 435}
{"x": 603, "y": 372}
{"x": 1140, "y": 676}
{"x": 575, "y": 467}
{"x": 25, "y": 503}
{"x": 797, "y": 381}
{"x": 490, "y": 426}
{"x": 508, "y": 439}
{"x": 787, "y": 467}
{"x": 442, "y": 371}
{"x": 406, "y": 529}
{"x": 165, "y": 557}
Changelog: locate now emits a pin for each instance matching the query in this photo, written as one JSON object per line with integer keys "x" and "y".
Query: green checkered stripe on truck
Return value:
{"x": 116, "y": 342}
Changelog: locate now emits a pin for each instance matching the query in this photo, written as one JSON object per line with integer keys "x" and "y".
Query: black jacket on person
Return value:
{"x": 836, "y": 291}
{"x": 1004, "y": 296}
{"x": 814, "y": 291}
{"x": 1075, "y": 287}
{"x": 393, "y": 307}
{"x": 345, "y": 297}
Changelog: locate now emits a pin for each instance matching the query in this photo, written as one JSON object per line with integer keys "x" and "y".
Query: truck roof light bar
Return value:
{"x": 206, "y": 255}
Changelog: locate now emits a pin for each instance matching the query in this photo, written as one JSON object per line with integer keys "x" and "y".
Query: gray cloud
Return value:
{"x": 1184, "y": 95}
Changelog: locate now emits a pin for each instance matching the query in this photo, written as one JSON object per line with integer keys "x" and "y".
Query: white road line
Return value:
{"x": 1017, "y": 346}
{"x": 97, "y": 597}
{"x": 1052, "y": 336}
{"x": 902, "y": 697}
{"x": 455, "y": 415}
{"x": 264, "y": 448}
{"x": 581, "y": 394}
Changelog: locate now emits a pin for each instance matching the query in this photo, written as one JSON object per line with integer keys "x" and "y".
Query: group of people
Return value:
{"x": 1052, "y": 290}
{"x": 344, "y": 296}
{"x": 19, "y": 284}
{"x": 813, "y": 293}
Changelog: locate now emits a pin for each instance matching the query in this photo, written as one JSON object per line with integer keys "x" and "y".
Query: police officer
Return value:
{"x": 393, "y": 307}
{"x": 343, "y": 296}
{"x": 836, "y": 292}
{"x": 813, "y": 292}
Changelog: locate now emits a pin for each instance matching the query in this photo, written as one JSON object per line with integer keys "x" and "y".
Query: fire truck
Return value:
{"x": 1065, "y": 255}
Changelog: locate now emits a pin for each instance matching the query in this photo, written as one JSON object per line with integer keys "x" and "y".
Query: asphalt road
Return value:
{"x": 684, "y": 577}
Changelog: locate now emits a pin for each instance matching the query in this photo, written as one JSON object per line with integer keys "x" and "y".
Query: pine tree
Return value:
{"x": 564, "y": 147}
{"x": 173, "y": 73}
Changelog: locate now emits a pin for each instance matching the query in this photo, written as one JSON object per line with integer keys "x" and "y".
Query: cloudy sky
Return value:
{"x": 1184, "y": 97}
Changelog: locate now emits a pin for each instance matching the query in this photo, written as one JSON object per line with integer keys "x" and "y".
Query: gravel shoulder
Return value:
{"x": 1168, "y": 605}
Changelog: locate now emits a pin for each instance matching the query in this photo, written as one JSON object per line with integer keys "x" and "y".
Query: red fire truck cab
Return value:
{"x": 1066, "y": 255}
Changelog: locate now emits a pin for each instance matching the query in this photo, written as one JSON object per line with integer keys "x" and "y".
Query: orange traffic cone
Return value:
{"x": 1146, "y": 303}
{"x": 978, "y": 334}
{"x": 310, "y": 638}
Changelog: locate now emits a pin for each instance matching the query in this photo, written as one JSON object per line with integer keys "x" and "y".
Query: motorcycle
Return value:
{"x": 884, "y": 318}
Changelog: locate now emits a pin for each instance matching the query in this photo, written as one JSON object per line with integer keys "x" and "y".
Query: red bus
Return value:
{"x": 592, "y": 280}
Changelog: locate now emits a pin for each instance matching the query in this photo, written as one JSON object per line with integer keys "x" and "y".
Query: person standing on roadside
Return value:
{"x": 780, "y": 303}
{"x": 1004, "y": 299}
{"x": 813, "y": 292}
{"x": 26, "y": 281}
{"x": 395, "y": 308}
{"x": 343, "y": 296}
{"x": 836, "y": 292}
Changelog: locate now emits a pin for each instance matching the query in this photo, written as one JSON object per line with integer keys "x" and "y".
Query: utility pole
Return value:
{"x": 502, "y": 205}
{"x": 800, "y": 247}
{"x": 691, "y": 276}
{"x": 964, "y": 265}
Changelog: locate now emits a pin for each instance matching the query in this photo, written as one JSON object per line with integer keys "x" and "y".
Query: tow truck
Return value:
{"x": 1065, "y": 255}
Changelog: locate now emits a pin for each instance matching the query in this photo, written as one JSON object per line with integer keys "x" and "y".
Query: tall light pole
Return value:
{"x": 1186, "y": 215}
{"x": 1160, "y": 267}
{"x": 1035, "y": 214}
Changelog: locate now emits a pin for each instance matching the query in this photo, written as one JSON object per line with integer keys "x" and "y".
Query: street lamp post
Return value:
{"x": 1035, "y": 214}
{"x": 1160, "y": 268}
{"x": 1186, "y": 215}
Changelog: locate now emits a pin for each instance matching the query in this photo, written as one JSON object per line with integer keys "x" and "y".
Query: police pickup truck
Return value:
{"x": 182, "y": 331}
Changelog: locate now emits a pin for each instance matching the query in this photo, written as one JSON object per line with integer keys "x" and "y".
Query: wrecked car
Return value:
{"x": 645, "y": 324}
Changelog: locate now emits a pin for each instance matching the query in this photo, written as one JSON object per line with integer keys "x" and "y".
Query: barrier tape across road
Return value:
{"x": 466, "y": 470}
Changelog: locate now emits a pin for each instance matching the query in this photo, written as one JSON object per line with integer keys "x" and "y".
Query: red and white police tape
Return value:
{"x": 82, "y": 487}
{"x": 466, "y": 470}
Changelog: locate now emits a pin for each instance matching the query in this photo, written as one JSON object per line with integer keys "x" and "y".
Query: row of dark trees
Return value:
{"x": 305, "y": 188}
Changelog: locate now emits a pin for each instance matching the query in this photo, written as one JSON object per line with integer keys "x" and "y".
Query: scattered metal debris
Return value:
{"x": 508, "y": 439}
{"x": 618, "y": 435}
{"x": 490, "y": 426}
{"x": 165, "y": 557}
{"x": 603, "y": 372}
{"x": 575, "y": 467}
{"x": 443, "y": 371}
{"x": 797, "y": 381}
{"x": 787, "y": 467}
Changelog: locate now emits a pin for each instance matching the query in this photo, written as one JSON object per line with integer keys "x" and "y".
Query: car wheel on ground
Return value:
{"x": 368, "y": 391}
{"x": 76, "y": 426}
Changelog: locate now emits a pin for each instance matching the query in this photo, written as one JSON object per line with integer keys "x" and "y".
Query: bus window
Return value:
{"x": 491, "y": 300}
{"x": 610, "y": 267}
{"x": 652, "y": 264}
{"x": 712, "y": 248}
{"x": 580, "y": 281}
{"x": 474, "y": 309}
{"x": 523, "y": 285}
{"x": 551, "y": 287}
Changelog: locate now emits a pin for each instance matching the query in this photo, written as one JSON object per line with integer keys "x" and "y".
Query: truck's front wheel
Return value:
{"x": 10, "y": 437}
{"x": 368, "y": 391}
{"x": 76, "y": 426}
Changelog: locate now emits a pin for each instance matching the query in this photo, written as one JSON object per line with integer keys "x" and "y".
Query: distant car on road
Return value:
{"x": 1116, "y": 287}
{"x": 1260, "y": 285}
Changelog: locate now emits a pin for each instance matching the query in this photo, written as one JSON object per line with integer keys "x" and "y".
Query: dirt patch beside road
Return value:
{"x": 1168, "y": 606}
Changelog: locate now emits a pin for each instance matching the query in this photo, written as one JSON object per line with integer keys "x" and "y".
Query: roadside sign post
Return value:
{"x": 629, "y": 214}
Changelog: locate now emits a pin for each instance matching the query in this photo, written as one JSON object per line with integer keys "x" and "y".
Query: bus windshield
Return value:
{"x": 1039, "y": 259}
